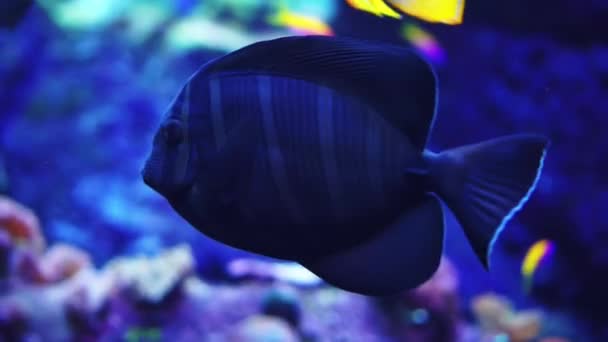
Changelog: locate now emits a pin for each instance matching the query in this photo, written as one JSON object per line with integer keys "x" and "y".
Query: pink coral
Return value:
{"x": 440, "y": 292}
{"x": 429, "y": 312}
{"x": 63, "y": 261}
{"x": 24, "y": 244}
{"x": 21, "y": 224}
{"x": 59, "y": 263}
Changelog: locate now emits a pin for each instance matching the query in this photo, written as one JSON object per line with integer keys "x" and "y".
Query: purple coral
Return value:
{"x": 430, "y": 312}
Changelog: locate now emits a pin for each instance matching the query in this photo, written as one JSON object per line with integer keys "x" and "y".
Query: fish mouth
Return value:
{"x": 148, "y": 178}
{"x": 145, "y": 175}
{"x": 172, "y": 192}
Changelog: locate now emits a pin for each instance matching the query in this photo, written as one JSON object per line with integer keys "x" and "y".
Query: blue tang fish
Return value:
{"x": 312, "y": 149}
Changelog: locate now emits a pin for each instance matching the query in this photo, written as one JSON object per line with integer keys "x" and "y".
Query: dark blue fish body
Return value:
{"x": 313, "y": 149}
{"x": 313, "y": 158}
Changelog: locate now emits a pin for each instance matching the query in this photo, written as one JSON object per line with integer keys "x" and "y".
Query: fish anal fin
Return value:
{"x": 401, "y": 257}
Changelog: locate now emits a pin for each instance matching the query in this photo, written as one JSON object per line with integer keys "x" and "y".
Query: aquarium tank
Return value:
{"x": 90, "y": 250}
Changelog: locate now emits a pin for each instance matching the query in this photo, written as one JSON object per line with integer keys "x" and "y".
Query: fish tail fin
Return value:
{"x": 485, "y": 184}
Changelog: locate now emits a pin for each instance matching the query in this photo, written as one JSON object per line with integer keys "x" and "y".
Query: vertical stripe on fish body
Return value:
{"x": 320, "y": 157}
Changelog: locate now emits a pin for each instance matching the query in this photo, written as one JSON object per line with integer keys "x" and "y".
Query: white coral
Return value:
{"x": 151, "y": 279}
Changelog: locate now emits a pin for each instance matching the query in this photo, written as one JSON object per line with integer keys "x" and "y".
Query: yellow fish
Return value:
{"x": 538, "y": 252}
{"x": 377, "y": 7}
{"x": 299, "y": 22}
{"x": 436, "y": 11}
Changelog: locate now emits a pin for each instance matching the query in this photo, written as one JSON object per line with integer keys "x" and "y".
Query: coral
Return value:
{"x": 496, "y": 316}
{"x": 57, "y": 264}
{"x": 440, "y": 292}
{"x": 288, "y": 272}
{"x": 47, "y": 309}
{"x": 524, "y": 326}
{"x": 263, "y": 329}
{"x": 22, "y": 249}
{"x": 152, "y": 279}
{"x": 282, "y": 302}
{"x": 21, "y": 224}
{"x": 490, "y": 310}
{"x": 84, "y": 319}
{"x": 27, "y": 267}
{"x": 62, "y": 261}
{"x": 158, "y": 298}
{"x": 430, "y": 312}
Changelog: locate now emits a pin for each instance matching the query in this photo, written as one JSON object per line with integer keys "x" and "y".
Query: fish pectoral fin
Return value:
{"x": 394, "y": 81}
{"x": 402, "y": 256}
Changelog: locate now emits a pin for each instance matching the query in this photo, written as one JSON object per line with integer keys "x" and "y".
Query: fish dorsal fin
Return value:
{"x": 394, "y": 81}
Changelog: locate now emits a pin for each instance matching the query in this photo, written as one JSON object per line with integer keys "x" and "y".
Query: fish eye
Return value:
{"x": 173, "y": 132}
